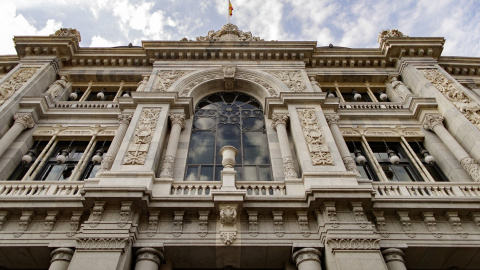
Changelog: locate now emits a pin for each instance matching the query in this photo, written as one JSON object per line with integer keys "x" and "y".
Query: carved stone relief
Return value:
{"x": 259, "y": 81}
{"x": 293, "y": 79}
{"x": 330, "y": 214}
{"x": 24, "y": 223}
{"x": 165, "y": 79}
{"x": 198, "y": 81}
{"x": 278, "y": 223}
{"x": 102, "y": 243}
{"x": 56, "y": 88}
{"x": 74, "y": 223}
{"x": 97, "y": 213}
{"x": 400, "y": 88}
{"x": 467, "y": 107}
{"x": 359, "y": 215}
{"x": 178, "y": 223}
{"x": 50, "y": 221}
{"x": 390, "y": 33}
{"x": 456, "y": 223}
{"x": 68, "y": 32}
{"x": 142, "y": 84}
{"x": 229, "y": 32}
{"x": 153, "y": 223}
{"x": 381, "y": 224}
{"x": 353, "y": 243}
{"x": 15, "y": 82}
{"x": 431, "y": 224}
{"x": 405, "y": 223}
{"x": 319, "y": 152}
{"x": 203, "y": 223}
{"x": 138, "y": 148}
{"x": 228, "y": 221}
{"x": 229, "y": 76}
{"x": 303, "y": 222}
{"x": 253, "y": 223}
{"x": 125, "y": 214}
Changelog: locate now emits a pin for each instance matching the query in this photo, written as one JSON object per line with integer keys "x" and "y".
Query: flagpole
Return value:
{"x": 228, "y": 11}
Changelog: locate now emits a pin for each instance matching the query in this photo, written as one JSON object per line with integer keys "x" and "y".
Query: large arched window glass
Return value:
{"x": 228, "y": 119}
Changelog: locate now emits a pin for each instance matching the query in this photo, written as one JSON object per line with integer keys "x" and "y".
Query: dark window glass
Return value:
{"x": 435, "y": 171}
{"x": 349, "y": 97}
{"x": 228, "y": 119}
{"x": 366, "y": 168}
{"x": 22, "y": 168}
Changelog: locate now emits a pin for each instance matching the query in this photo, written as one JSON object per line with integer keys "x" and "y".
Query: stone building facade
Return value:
{"x": 231, "y": 152}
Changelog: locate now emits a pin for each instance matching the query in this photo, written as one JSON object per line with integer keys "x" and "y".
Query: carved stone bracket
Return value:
{"x": 229, "y": 76}
{"x": 456, "y": 223}
{"x": 74, "y": 223}
{"x": 381, "y": 224}
{"x": 253, "y": 223}
{"x": 3, "y": 218}
{"x": 278, "y": 223}
{"x": 138, "y": 148}
{"x": 203, "y": 223}
{"x": 475, "y": 216}
{"x": 359, "y": 215}
{"x": 228, "y": 221}
{"x": 15, "y": 82}
{"x": 24, "y": 223}
{"x": 97, "y": 213}
{"x": 178, "y": 223}
{"x": 102, "y": 243}
{"x": 125, "y": 214}
{"x": 330, "y": 214}
{"x": 303, "y": 223}
{"x": 50, "y": 221}
{"x": 431, "y": 224}
{"x": 165, "y": 79}
{"x": 405, "y": 223}
{"x": 153, "y": 220}
{"x": 319, "y": 152}
{"x": 293, "y": 79}
{"x": 353, "y": 243}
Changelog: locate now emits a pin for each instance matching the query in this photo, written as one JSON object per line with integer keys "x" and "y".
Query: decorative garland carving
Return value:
{"x": 293, "y": 79}
{"x": 125, "y": 213}
{"x": 153, "y": 223}
{"x": 259, "y": 81}
{"x": 319, "y": 151}
{"x": 253, "y": 223}
{"x": 165, "y": 79}
{"x": 203, "y": 223}
{"x": 303, "y": 222}
{"x": 198, "y": 81}
{"x": 102, "y": 243}
{"x": 97, "y": 213}
{"x": 381, "y": 224}
{"x": 406, "y": 224}
{"x": 3, "y": 218}
{"x": 15, "y": 82}
{"x": 178, "y": 223}
{"x": 74, "y": 223}
{"x": 24, "y": 223}
{"x": 50, "y": 221}
{"x": 456, "y": 223}
{"x": 278, "y": 223}
{"x": 353, "y": 243}
{"x": 467, "y": 107}
{"x": 138, "y": 148}
{"x": 431, "y": 224}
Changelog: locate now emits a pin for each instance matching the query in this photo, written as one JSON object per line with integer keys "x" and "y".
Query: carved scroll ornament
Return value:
{"x": 15, "y": 82}
{"x": 317, "y": 146}
{"x": 293, "y": 79}
{"x": 138, "y": 148}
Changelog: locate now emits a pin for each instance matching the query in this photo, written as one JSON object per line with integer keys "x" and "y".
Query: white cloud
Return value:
{"x": 16, "y": 24}
{"x": 98, "y": 41}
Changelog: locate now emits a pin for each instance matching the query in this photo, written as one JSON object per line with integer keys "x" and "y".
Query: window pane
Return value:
{"x": 265, "y": 173}
{"x": 402, "y": 173}
{"x": 206, "y": 173}
{"x": 250, "y": 173}
{"x": 192, "y": 172}
{"x": 202, "y": 145}
{"x": 53, "y": 172}
{"x": 255, "y": 148}
{"x": 228, "y": 135}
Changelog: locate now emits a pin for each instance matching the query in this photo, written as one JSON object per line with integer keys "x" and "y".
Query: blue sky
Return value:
{"x": 347, "y": 23}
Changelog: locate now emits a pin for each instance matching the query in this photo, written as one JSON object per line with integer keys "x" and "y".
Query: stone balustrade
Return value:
{"x": 371, "y": 105}
{"x": 86, "y": 104}
{"x": 197, "y": 188}
{"x": 426, "y": 190}
{"x": 258, "y": 189}
{"x": 204, "y": 188}
{"x": 17, "y": 188}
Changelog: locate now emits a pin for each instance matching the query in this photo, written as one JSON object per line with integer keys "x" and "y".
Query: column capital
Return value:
{"x": 432, "y": 120}
{"x": 306, "y": 254}
{"x": 25, "y": 119}
{"x": 178, "y": 118}
{"x": 332, "y": 119}
{"x": 61, "y": 254}
{"x": 150, "y": 254}
{"x": 393, "y": 254}
{"x": 125, "y": 118}
{"x": 279, "y": 118}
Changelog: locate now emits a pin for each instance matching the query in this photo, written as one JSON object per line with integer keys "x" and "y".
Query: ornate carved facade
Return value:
{"x": 337, "y": 158}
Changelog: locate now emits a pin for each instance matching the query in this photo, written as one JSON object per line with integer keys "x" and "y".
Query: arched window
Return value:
{"x": 228, "y": 119}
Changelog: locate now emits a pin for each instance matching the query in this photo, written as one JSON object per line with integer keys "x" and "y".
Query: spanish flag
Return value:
{"x": 230, "y": 8}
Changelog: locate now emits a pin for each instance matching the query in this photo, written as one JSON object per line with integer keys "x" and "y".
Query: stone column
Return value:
{"x": 22, "y": 122}
{"x": 394, "y": 259}
{"x": 148, "y": 259}
{"x": 61, "y": 258}
{"x": 401, "y": 89}
{"x": 307, "y": 259}
{"x": 178, "y": 123}
{"x": 109, "y": 157}
{"x": 435, "y": 123}
{"x": 280, "y": 124}
{"x": 347, "y": 158}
